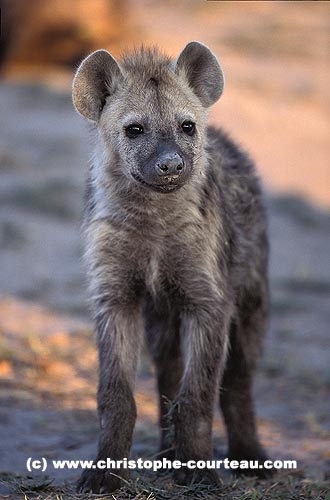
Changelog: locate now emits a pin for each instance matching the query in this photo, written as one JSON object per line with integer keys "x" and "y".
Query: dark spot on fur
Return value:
{"x": 154, "y": 81}
{"x": 203, "y": 201}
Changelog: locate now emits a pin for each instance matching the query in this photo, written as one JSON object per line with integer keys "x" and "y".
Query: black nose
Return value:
{"x": 170, "y": 164}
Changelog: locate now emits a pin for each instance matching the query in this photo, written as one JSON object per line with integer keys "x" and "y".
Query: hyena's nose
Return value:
{"x": 170, "y": 164}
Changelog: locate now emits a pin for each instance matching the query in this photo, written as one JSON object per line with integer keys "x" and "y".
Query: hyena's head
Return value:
{"x": 150, "y": 111}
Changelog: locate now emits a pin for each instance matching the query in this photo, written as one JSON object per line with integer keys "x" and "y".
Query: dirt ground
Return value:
{"x": 47, "y": 353}
{"x": 48, "y": 363}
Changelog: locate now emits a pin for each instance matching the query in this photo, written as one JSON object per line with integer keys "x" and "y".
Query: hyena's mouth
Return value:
{"x": 165, "y": 187}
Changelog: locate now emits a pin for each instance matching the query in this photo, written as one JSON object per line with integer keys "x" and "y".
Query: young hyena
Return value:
{"x": 176, "y": 248}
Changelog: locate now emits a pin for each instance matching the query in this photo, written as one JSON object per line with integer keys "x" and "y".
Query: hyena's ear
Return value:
{"x": 96, "y": 78}
{"x": 203, "y": 72}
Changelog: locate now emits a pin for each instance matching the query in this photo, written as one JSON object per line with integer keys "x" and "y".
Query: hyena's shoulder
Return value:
{"x": 233, "y": 170}
{"x": 231, "y": 158}
{"x": 239, "y": 201}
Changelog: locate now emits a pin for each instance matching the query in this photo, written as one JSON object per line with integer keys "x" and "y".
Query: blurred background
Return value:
{"x": 275, "y": 56}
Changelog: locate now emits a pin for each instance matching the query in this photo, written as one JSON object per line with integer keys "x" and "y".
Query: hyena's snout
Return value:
{"x": 166, "y": 171}
{"x": 170, "y": 165}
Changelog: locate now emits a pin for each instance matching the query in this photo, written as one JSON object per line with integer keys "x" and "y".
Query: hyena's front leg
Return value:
{"x": 119, "y": 331}
{"x": 163, "y": 336}
{"x": 205, "y": 334}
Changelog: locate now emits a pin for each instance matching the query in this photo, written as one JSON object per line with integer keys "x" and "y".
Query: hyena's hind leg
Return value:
{"x": 163, "y": 337}
{"x": 236, "y": 387}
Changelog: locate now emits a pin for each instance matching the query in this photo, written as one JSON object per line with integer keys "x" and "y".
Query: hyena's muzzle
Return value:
{"x": 165, "y": 171}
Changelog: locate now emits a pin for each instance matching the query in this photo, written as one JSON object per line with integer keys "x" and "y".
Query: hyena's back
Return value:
{"x": 232, "y": 186}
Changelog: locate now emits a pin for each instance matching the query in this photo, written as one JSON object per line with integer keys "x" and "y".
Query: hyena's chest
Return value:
{"x": 154, "y": 274}
{"x": 172, "y": 264}
{"x": 161, "y": 265}
{"x": 163, "y": 262}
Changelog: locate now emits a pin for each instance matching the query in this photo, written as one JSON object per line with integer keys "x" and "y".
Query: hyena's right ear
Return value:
{"x": 96, "y": 78}
{"x": 203, "y": 72}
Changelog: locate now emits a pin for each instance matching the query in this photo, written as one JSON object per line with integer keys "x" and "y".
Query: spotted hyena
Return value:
{"x": 176, "y": 248}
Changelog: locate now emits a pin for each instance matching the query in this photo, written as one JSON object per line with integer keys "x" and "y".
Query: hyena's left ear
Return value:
{"x": 203, "y": 72}
{"x": 96, "y": 78}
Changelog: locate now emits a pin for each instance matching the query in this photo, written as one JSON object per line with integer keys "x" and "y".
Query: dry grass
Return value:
{"x": 284, "y": 486}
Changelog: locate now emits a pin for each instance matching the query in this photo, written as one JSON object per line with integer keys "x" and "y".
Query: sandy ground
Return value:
{"x": 48, "y": 359}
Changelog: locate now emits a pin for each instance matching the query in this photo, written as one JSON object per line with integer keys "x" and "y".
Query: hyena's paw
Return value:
{"x": 99, "y": 481}
{"x": 187, "y": 476}
{"x": 256, "y": 456}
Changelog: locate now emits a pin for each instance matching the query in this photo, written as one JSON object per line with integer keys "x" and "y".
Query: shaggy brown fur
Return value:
{"x": 176, "y": 248}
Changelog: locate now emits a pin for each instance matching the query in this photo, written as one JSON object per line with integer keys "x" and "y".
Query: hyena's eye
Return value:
{"x": 134, "y": 130}
{"x": 188, "y": 128}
